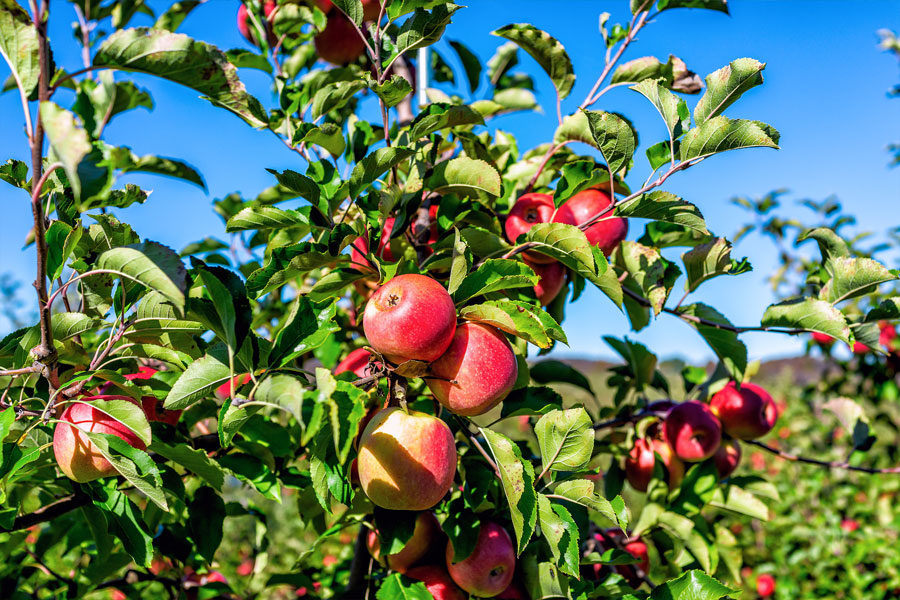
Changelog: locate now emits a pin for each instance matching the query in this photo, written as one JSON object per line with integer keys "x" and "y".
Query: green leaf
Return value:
{"x": 206, "y": 512}
{"x": 266, "y": 217}
{"x": 561, "y": 533}
{"x": 546, "y": 50}
{"x": 518, "y": 318}
{"x": 286, "y": 263}
{"x": 133, "y": 464}
{"x": 14, "y": 172}
{"x": 69, "y": 142}
{"x": 398, "y": 8}
{"x": 582, "y": 491}
{"x": 464, "y": 176}
{"x": 254, "y": 471}
{"x": 369, "y": 169}
{"x": 200, "y": 379}
{"x": 530, "y": 401}
{"x": 423, "y": 28}
{"x": 738, "y": 500}
{"x": 127, "y": 413}
{"x": 693, "y": 585}
{"x": 438, "y": 116}
{"x": 307, "y": 325}
{"x": 124, "y": 521}
{"x": 326, "y": 135}
{"x": 614, "y": 137}
{"x": 853, "y": 277}
{"x": 641, "y": 362}
{"x": 887, "y": 309}
{"x": 554, "y": 371}
{"x": 494, "y": 275}
{"x": 517, "y": 477}
{"x": 723, "y": 341}
{"x": 19, "y": 45}
{"x": 711, "y": 260}
{"x": 648, "y": 273}
{"x": 179, "y": 58}
{"x": 173, "y": 17}
{"x": 61, "y": 242}
{"x": 399, "y": 587}
{"x": 335, "y": 96}
{"x": 719, "y": 5}
{"x": 151, "y": 264}
{"x": 575, "y": 128}
{"x": 721, "y": 134}
{"x": 470, "y": 62}
{"x": 393, "y": 91}
{"x": 352, "y": 8}
{"x": 830, "y": 243}
{"x": 566, "y": 439}
{"x": 808, "y": 314}
{"x": 196, "y": 461}
{"x": 666, "y": 207}
{"x": 673, "y": 110}
{"x": 506, "y": 57}
{"x": 304, "y": 187}
{"x": 460, "y": 263}
{"x": 725, "y": 86}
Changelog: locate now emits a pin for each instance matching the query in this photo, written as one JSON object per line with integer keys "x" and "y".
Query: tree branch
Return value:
{"x": 830, "y": 464}
{"x": 359, "y": 566}
{"x": 51, "y": 511}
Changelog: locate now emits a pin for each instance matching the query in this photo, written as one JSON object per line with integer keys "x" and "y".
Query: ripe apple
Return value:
{"x": 153, "y": 407}
{"x": 425, "y": 534}
{"x": 406, "y": 461}
{"x": 515, "y": 591}
{"x": 849, "y": 525}
{"x": 476, "y": 372}
{"x": 529, "y": 210}
{"x": 438, "y": 582}
{"x": 245, "y": 25}
{"x": 692, "y": 431}
{"x": 224, "y": 391}
{"x": 371, "y": 8}
{"x": 385, "y": 247}
{"x": 823, "y": 339}
{"x": 489, "y": 569}
{"x": 357, "y": 362}
{"x": 75, "y": 453}
{"x": 765, "y": 585}
{"x": 552, "y": 278}
{"x": 727, "y": 458}
{"x": 642, "y": 458}
{"x": 609, "y": 231}
{"x": 339, "y": 43}
{"x": 638, "y": 549}
{"x": 614, "y": 538}
{"x": 747, "y": 413}
{"x": 411, "y": 317}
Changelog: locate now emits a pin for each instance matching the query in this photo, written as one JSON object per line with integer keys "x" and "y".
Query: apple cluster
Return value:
{"x": 533, "y": 208}
{"x": 693, "y": 431}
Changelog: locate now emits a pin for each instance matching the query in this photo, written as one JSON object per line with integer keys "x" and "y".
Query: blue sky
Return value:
{"x": 825, "y": 91}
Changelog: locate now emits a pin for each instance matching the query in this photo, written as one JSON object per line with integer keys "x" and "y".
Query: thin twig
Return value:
{"x": 834, "y": 464}
{"x": 464, "y": 426}
{"x": 637, "y": 21}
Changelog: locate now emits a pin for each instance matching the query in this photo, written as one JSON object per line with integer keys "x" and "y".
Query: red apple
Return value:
{"x": 727, "y": 458}
{"x": 692, "y": 431}
{"x": 153, "y": 407}
{"x": 765, "y": 585}
{"x": 425, "y": 534}
{"x": 224, "y": 391}
{"x": 406, "y": 461}
{"x": 489, "y": 569}
{"x": 438, "y": 582}
{"x": 887, "y": 335}
{"x": 747, "y": 413}
{"x": 822, "y": 339}
{"x": 638, "y": 549}
{"x": 609, "y": 231}
{"x": 411, "y": 317}
{"x": 849, "y": 525}
{"x": 357, "y": 362}
{"x": 75, "y": 453}
{"x": 339, "y": 43}
{"x": 614, "y": 538}
{"x": 386, "y": 248}
{"x": 371, "y": 8}
{"x": 476, "y": 372}
{"x": 642, "y": 459}
{"x": 245, "y": 25}
{"x": 529, "y": 210}
{"x": 515, "y": 591}
{"x": 552, "y": 278}
{"x": 859, "y": 348}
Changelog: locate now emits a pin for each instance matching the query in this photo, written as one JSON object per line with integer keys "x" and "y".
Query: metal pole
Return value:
{"x": 422, "y": 76}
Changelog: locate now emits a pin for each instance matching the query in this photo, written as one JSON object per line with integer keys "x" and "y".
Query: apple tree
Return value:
{"x": 367, "y": 345}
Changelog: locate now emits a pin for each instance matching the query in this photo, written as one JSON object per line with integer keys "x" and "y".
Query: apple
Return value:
{"x": 747, "y": 413}
{"x": 727, "y": 458}
{"x": 552, "y": 278}
{"x": 386, "y": 247}
{"x": 529, "y": 210}
{"x": 339, "y": 43}
{"x": 849, "y": 525}
{"x": 411, "y": 317}
{"x": 765, "y": 585}
{"x": 153, "y": 407}
{"x": 887, "y": 335}
{"x": 641, "y": 460}
{"x": 476, "y": 372}
{"x": 692, "y": 431}
{"x": 371, "y": 8}
{"x": 223, "y": 392}
{"x": 515, "y": 591}
{"x": 638, "y": 549}
{"x": 438, "y": 582}
{"x": 614, "y": 538}
{"x": 823, "y": 339}
{"x": 859, "y": 348}
{"x": 425, "y": 534}
{"x": 489, "y": 569}
{"x": 406, "y": 461}
{"x": 357, "y": 362}
{"x": 75, "y": 453}
{"x": 609, "y": 231}
{"x": 245, "y": 25}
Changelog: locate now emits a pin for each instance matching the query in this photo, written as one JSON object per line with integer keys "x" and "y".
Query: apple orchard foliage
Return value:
{"x": 175, "y": 373}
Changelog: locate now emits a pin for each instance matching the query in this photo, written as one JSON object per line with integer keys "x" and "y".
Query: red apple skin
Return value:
{"x": 747, "y": 413}
{"x": 607, "y": 233}
{"x": 638, "y": 549}
{"x": 822, "y": 339}
{"x": 438, "y": 582}
{"x": 641, "y": 460}
{"x": 339, "y": 43}
{"x": 406, "y": 461}
{"x": 552, "y": 278}
{"x": 765, "y": 585}
{"x": 371, "y": 8}
{"x": 635, "y": 547}
{"x": 481, "y": 362}
{"x": 357, "y": 362}
{"x": 245, "y": 26}
{"x": 692, "y": 431}
{"x": 490, "y": 568}
{"x": 859, "y": 348}
{"x": 385, "y": 252}
{"x": 75, "y": 454}
{"x": 425, "y": 534}
{"x": 153, "y": 408}
{"x": 411, "y": 317}
{"x": 515, "y": 591}
{"x": 727, "y": 458}
{"x": 529, "y": 210}
{"x": 223, "y": 392}
{"x": 887, "y": 335}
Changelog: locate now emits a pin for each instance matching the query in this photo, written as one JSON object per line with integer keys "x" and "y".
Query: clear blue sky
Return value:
{"x": 825, "y": 91}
